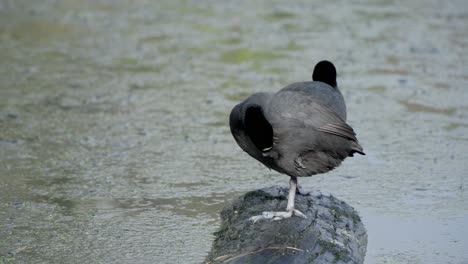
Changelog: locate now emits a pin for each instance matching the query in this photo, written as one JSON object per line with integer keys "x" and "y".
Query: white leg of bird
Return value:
{"x": 290, "y": 211}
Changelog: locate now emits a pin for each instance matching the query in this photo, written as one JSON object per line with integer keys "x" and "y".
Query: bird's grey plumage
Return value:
{"x": 309, "y": 132}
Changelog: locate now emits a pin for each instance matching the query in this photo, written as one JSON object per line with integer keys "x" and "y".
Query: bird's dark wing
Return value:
{"x": 345, "y": 131}
{"x": 303, "y": 123}
{"x": 339, "y": 129}
{"x": 292, "y": 106}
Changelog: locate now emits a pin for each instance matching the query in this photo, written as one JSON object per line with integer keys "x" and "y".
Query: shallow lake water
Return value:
{"x": 114, "y": 139}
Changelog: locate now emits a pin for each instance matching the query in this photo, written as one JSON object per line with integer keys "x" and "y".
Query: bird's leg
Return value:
{"x": 290, "y": 211}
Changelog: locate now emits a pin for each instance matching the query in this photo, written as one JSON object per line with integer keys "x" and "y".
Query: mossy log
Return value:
{"x": 332, "y": 233}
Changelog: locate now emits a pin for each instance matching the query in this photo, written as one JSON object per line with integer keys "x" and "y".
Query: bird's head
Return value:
{"x": 325, "y": 72}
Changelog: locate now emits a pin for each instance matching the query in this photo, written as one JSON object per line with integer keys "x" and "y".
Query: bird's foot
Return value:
{"x": 275, "y": 216}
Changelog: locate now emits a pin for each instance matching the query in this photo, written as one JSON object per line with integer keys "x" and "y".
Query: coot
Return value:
{"x": 300, "y": 131}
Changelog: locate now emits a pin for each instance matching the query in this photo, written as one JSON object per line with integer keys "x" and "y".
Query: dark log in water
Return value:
{"x": 332, "y": 233}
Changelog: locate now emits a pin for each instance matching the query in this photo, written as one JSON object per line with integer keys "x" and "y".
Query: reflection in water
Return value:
{"x": 114, "y": 142}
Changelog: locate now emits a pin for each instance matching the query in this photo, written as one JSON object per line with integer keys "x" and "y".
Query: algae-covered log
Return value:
{"x": 332, "y": 232}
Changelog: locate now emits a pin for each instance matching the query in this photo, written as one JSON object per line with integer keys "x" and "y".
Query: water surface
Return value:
{"x": 114, "y": 142}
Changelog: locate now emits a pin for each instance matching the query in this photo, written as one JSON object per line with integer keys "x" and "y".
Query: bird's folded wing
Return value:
{"x": 339, "y": 129}
{"x": 309, "y": 113}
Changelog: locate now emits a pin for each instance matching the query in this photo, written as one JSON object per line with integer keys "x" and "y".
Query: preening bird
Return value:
{"x": 299, "y": 131}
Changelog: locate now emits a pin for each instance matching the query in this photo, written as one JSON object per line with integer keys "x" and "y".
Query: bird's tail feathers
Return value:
{"x": 356, "y": 148}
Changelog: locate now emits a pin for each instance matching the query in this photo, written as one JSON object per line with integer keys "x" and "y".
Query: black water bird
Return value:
{"x": 300, "y": 131}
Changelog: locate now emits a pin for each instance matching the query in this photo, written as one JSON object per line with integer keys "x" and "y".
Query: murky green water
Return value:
{"x": 114, "y": 142}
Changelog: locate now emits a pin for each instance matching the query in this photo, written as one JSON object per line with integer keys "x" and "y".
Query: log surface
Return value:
{"x": 332, "y": 233}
